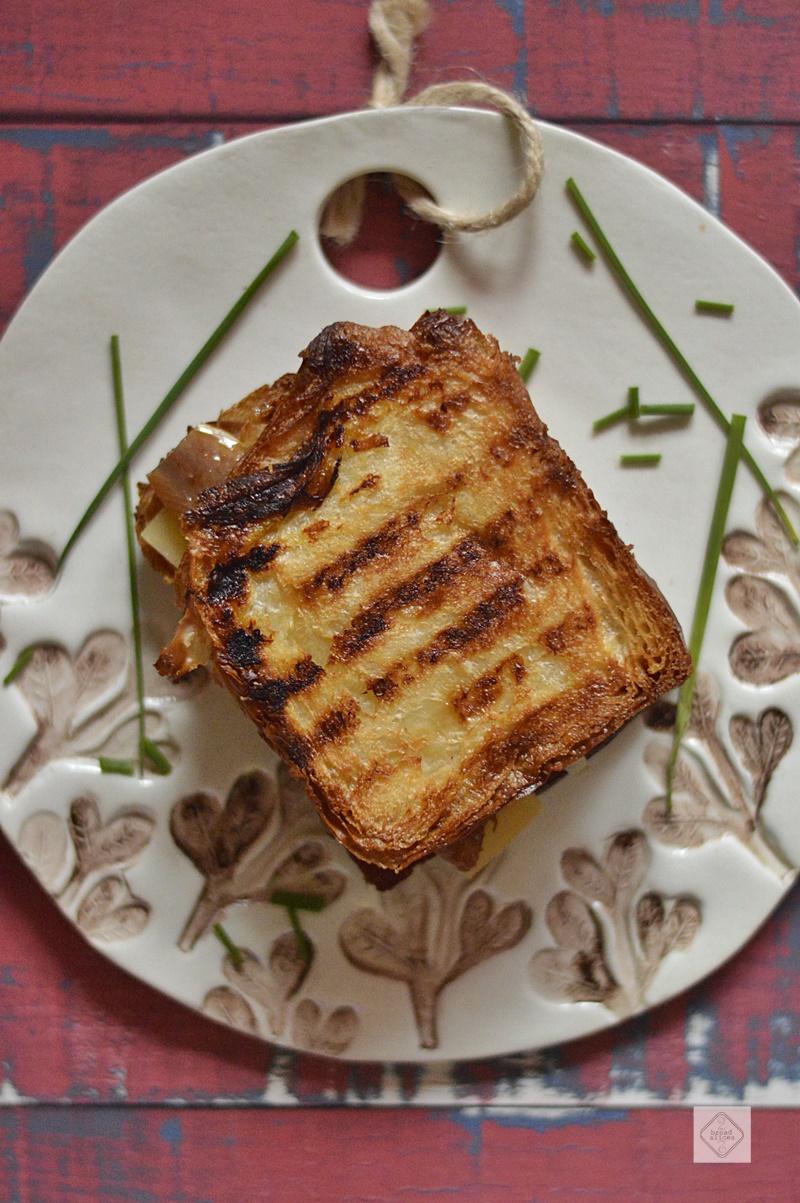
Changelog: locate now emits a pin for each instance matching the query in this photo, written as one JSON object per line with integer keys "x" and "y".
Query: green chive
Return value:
{"x": 718, "y": 308}
{"x": 456, "y": 310}
{"x": 109, "y": 764}
{"x": 306, "y": 948}
{"x": 155, "y": 757}
{"x": 174, "y": 393}
{"x": 529, "y": 363}
{"x": 582, "y": 247}
{"x": 122, "y": 435}
{"x": 237, "y": 958}
{"x": 716, "y": 534}
{"x": 299, "y": 902}
{"x": 666, "y": 411}
{"x": 633, "y": 402}
{"x": 640, "y": 461}
{"x": 21, "y": 662}
{"x": 619, "y": 415}
{"x": 672, "y": 349}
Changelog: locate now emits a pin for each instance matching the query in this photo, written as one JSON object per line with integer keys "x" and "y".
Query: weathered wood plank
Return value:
{"x": 629, "y": 59}
{"x": 58, "y": 1155}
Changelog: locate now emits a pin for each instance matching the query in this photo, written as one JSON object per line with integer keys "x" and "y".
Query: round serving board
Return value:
{"x": 607, "y": 903}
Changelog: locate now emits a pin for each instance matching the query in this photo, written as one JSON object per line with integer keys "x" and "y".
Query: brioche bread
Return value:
{"x": 408, "y": 587}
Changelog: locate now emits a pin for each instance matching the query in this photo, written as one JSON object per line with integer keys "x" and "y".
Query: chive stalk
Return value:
{"x": 634, "y": 408}
{"x": 618, "y": 415}
{"x": 110, "y": 764}
{"x": 175, "y": 392}
{"x": 155, "y": 758}
{"x": 717, "y": 308}
{"x": 122, "y": 435}
{"x": 236, "y": 955}
{"x": 305, "y": 947}
{"x": 671, "y": 347}
{"x": 582, "y": 247}
{"x": 300, "y": 902}
{"x": 21, "y": 662}
{"x": 648, "y": 460}
{"x": 680, "y": 410}
{"x": 529, "y": 362}
{"x": 716, "y": 534}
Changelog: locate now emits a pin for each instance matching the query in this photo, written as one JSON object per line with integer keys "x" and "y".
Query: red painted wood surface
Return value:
{"x": 601, "y": 59}
{"x": 125, "y": 1087}
{"x": 58, "y": 1155}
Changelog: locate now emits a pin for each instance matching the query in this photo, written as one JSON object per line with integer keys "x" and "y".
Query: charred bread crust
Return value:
{"x": 409, "y": 588}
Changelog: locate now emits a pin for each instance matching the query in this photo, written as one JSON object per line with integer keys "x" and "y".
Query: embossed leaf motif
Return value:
{"x": 484, "y": 932}
{"x": 214, "y": 836}
{"x": 762, "y": 745}
{"x": 271, "y": 985}
{"x": 711, "y": 796}
{"x": 81, "y": 705}
{"x": 331, "y": 1035}
{"x": 572, "y": 922}
{"x": 432, "y": 928}
{"x": 101, "y": 845}
{"x": 262, "y": 839}
{"x": 581, "y": 871}
{"x": 372, "y": 943}
{"x": 227, "y": 1006}
{"x": 770, "y": 651}
{"x": 779, "y": 415}
{"x": 44, "y": 845}
{"x": 627, "y": 859}
{"x": 26, "y": 568}
{"x": 576, "y": 971}
{"x": 705, "y": 706}
{"x": 306, "y": 871}
{"x": 581, "y": 968}
{"x": 663, "y": 930}
{"x": 110, "y": 912}
{"x": 771, "y": 550}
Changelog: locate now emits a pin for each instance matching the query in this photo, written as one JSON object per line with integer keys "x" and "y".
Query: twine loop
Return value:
{"x": 394, "y": 25}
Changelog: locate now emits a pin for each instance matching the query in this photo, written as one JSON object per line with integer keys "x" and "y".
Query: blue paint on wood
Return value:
{"x": 735, "y": 137}
{"x": 784, "y": 1030}
{"x": 532, "y": 1119}
{"x": 516, "y": 11}
{"x": 629, "y": 1056}
{"x": 676, "y": 10}
{"x": 171, "y": 1131}
{"x": 737, "y": 16}
{"x": 41, "y": 240}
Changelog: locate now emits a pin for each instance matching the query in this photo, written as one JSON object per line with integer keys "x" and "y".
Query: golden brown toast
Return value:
{"x": 411, "y": 591}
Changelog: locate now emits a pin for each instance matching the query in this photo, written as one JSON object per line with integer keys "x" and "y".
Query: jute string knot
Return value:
{"x": 394, "y": 24}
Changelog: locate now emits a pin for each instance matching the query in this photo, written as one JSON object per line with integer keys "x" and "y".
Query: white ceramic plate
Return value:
{"x": 604, "y": 906}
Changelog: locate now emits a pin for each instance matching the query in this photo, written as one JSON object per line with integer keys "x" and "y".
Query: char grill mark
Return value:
{"x": 228, "y": 582}
{"x": 482, "y": 620}
{"x": 423, "y": 588}
{"x": 569, "y": 631}
{"x": 272, "y": 693}
{"x": 383, "y": 543}
{"x": 244, "y": 500}
{"x": 334, "y": 725}
{"x": 484, "y": 692}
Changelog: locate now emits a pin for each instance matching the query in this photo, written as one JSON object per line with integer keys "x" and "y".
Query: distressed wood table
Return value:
{"x": 110, "y": 1091}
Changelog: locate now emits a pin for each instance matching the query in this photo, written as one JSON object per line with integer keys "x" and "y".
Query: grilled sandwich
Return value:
{"x": 406, "y": 584}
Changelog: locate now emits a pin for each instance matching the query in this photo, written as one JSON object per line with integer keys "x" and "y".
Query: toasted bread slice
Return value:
{"x": 411, "y": 591}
